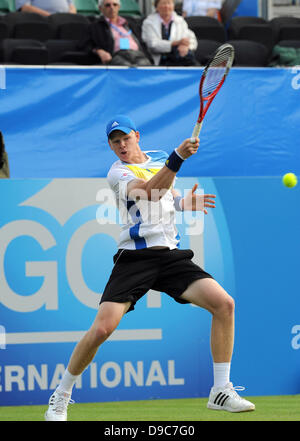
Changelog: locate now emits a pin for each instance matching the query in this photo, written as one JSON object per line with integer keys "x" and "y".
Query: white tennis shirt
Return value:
{"x": 144, "y": 223}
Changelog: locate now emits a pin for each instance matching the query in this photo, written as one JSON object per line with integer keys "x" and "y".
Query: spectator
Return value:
{"x": 210, "y": 8}
{"x": 45, "y": 7}
{"x": 114, "y": 39}
{"x": 168, "y": 37}
{"x": 4, "y": 167}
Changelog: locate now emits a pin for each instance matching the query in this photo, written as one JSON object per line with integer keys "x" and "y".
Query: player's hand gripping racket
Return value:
{"x": 212, "y": 80}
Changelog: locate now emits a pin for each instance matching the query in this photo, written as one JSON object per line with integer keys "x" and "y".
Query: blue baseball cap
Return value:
{"x": 120, "y": 122}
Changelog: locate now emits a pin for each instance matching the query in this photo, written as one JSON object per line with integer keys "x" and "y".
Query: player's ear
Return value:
{"x": 138, "y": 136}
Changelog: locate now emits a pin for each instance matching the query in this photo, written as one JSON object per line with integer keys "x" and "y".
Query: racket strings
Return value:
{"x": 216, "y": 71}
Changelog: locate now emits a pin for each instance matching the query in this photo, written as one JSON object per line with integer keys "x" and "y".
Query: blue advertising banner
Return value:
{"x": 54, "y": 119}
{"x": 57, "y": 239}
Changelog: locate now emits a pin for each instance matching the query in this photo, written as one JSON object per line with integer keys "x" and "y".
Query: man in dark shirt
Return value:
{"x": 112, "y": 33}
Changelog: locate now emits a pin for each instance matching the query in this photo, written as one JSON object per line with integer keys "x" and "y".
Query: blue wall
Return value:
{"x": 55, "y": 257}
{"x": 54, "y": 119}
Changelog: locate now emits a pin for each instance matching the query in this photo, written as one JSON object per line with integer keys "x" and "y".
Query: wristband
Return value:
{"x": 174, "y": 162}
{"x": 177, "y": 203}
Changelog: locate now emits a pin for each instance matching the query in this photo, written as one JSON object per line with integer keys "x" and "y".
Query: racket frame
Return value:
{"x": 208, "y": 100}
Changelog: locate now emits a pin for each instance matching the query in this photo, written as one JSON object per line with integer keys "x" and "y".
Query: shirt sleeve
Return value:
{"x": 118, "y": 178}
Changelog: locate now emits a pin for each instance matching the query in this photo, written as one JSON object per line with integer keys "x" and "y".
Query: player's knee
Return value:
{"x": 225, "y": 307}
{"x": 101, "y": 333}
{"x": 228, "y": 306}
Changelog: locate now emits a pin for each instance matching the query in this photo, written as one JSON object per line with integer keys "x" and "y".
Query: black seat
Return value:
{"x": 252, "y": 29}
{"x": 236, "y": 23}
{"x": 24, "y": 51}
{"x": 56, "y": 49}
{"x": 290, "y": 32}
{"x": 278, "y": 23}
{"x": 4, "y": 31}
{"x": 250, "y": 53}
{"x": 33, "y": 30}
{"x": 13, "y": 18}
{"x": 205, "y": 50}
{"x": 66, "y": 52}
{"x": 62, "y": 17}
{"x": 61, "y": 21}
{"x": 72, "y": 31}
{"x": 22, "y": 17}
{"x": 289, "y": 43}
{"x": 207, "y": 28}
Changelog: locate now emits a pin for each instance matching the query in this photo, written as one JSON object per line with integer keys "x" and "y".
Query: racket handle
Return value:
{"x": 196, "y": 131}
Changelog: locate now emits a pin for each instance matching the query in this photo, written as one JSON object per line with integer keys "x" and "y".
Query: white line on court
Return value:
{"x": 14, "y": 338}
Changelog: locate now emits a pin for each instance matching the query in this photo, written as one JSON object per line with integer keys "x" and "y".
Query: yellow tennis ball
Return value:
{"x": 290, "y": 180}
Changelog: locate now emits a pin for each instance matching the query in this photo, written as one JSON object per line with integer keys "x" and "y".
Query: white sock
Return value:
{"x": 67, "y": 382}
{"x": 221, "y": 374}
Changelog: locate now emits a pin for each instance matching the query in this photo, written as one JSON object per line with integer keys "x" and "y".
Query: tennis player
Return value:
{"x": 148, "y": 258}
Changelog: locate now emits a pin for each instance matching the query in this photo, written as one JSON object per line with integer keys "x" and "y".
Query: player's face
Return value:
{"x": 125, "y": 146}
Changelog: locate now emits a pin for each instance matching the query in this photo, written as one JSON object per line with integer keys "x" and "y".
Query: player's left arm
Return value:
{"x": 193, "y": 201}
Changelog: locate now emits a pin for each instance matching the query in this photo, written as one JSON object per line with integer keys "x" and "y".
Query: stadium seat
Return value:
{"x": 56, "y": 49}
{"x": 253, "y": 29}
{"x": 66, "y": 52}
{"x": 236, "y": 23}
{"x": 130, "y": 7}
{"x": 4, "y": 31}
{"x": 250, "y": 53}
{"x": 20, "y": 17}
{"x": 13, "y": 18}
{"x": 278, "y": 23}
{"x": 64, "y": 17}
{"x": 207, "y": 28}
{"x": 289, "y": 43}
{"x": 87, "y": 7}
{"x": 24, "y": 51}
{"x": 69, "y": 26}
{"x": 289, "y": 33}
{"x": 205, "y": 50}
{"x": 72, "y": 31}
{"x": 33, "y": 30}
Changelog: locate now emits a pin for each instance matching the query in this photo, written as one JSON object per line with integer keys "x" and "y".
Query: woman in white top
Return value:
{"x": 168, "y": 37}
{"x": 210, "y": 8}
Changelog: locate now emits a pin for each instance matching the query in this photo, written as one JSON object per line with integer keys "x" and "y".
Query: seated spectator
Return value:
{"x": 45, "y": 7}
{"x": 167, "y": 36}
{"x": 4, "y": 167}
{"x": 114, "y": 39}
{"x": 210, "y": 8}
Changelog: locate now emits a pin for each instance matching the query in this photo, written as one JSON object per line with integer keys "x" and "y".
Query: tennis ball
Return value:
{"x": 290, "y": 180}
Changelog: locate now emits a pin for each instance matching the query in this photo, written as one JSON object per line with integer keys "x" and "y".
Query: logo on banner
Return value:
{"x": 56, "y": 256}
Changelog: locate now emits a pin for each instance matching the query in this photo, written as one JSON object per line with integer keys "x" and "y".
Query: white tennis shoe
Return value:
{"x": 226, "y": 398}
{"x": 58, "y": 405}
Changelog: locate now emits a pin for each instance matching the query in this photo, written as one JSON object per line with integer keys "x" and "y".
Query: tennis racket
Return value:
{"x": 212, "y": 80}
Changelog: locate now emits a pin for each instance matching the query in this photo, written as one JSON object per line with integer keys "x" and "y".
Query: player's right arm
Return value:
{"x": 162, "y": 181}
